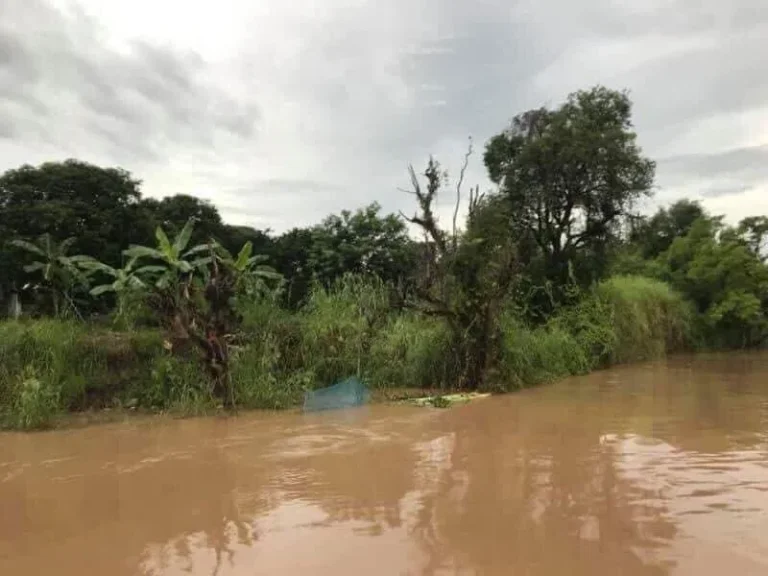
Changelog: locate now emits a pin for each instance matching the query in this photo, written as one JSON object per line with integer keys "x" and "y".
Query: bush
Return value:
{"x": 87, "y": 366}
{"x": 36, "y": 401}
{"x": 533, "y": 356}
{"x": 411, "y": 351}
{"x": 649, "y": 319}
{"x": 623, "y": 319}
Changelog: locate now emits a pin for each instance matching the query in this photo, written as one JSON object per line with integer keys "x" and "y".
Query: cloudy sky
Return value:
{"x": 283, "y": 111}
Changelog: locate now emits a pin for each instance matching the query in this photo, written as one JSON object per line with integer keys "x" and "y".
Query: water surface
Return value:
{"x": 657, "y": 469}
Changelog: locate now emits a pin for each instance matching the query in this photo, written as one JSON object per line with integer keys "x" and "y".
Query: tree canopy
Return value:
{"x": 569, "y": 176}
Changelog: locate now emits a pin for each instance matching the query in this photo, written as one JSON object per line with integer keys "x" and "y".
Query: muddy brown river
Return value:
{"x": 656, "y": 469}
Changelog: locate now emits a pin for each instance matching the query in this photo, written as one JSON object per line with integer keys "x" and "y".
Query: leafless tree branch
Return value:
{"x": 458, "y": 191}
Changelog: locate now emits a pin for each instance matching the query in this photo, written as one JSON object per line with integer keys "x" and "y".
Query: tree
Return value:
{"x": 754, "y": 230}
{"x": 194, "y": 296}
{"x": 725, "y": 281}
{"x": 59, "y": 272}
{"x": 655, "y": 235}
{"x": 291, "y": 257}
{"x": 173, "y": 260}
{"x": 125, "y": 283}
{"x": 570, "y": 175}
{"x": 173, "y": 212}
{"x": 251, "y": 273}
{"x": 98, "y": 207}
{"x": 362, "y": 242}
{"x": 464, "y": 279}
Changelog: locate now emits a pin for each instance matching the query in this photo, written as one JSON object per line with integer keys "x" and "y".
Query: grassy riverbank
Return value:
{"x": 49, "y": 367}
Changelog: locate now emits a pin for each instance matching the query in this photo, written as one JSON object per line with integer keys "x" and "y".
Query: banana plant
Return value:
{"x": 123, "y": 282}
{"x": 123, "y": 279}
{"x": 249, "y": 270}
{"x": 173, "y": 261}
{"x": 59, "y": 272}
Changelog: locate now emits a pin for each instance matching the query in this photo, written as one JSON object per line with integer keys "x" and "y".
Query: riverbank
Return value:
{"x": 51, "y": 367}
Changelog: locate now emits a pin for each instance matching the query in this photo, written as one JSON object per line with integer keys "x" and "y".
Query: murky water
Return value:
{"x": 646, "y": 470}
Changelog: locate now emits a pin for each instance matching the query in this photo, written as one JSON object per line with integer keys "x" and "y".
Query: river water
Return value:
{"x": 656, "y": 469}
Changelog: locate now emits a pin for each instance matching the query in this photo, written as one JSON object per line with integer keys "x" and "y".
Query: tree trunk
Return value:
{"x": 14, "y": 305}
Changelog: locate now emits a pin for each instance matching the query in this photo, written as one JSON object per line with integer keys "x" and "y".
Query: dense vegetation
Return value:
{"x": 115, "y": 300}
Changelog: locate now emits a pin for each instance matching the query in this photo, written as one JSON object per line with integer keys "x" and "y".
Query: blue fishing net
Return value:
{"x": 345, "y": 394}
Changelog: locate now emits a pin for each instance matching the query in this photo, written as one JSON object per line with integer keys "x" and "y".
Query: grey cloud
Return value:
{"x": 717, "y": 190}
{"x": 748, "y": 160}
{"x": 283, "y": 203}
{"x": 719, "y": 174}
{"x": 377, "y": 85}
{"x": 741, "y": 167}
{"x": 138, "y": 100}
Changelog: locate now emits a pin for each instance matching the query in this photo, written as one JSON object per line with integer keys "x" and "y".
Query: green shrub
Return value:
{"x": 533, "y": 356}
{"x": 410, "y": 351}
{"x": 88, "y": 366}
{"x": 176, "y": 383}
{"x": 623, "y": 319}
{"x": 648, "y": 317}
{"x": 36, "y": 401}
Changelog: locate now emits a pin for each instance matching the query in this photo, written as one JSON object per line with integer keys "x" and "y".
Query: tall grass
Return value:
{"x": 71, "y": 366}
{"x": 623, "y": 319}
{"x": 347, "y": 329}
{"x": 51, "y": 366}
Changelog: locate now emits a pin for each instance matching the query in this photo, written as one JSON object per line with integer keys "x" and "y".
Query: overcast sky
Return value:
{"x": 283, "y": 111}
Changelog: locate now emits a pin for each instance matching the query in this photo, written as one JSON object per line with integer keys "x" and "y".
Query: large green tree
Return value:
{"x": 726, "y": 282}
{"x": 654, "y": 235}
{"x": 569, "y": 176}
{"x": 98, "y": 207}
{"x": 361, "y": 242}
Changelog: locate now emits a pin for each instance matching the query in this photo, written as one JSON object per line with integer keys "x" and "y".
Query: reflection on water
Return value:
{"x": 649, "y": 470}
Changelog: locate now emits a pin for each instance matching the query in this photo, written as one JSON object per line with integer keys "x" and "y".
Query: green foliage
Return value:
{"x": 623, "y": 319}
{"x": 362, "y": 242}
{"x": 87, "y": 366}
{"x": 36, "y": 402}
{"x": 59, "y": 272}
{"x": 532, "y": 356}
{"x": 570, "y": 175}
{"x": 648, "y": 318}
{"x": 655, "y": 235}
{"x": 725, "y": 280}
{"x": 177, "y": 383}
{"x": 412, "y": 351}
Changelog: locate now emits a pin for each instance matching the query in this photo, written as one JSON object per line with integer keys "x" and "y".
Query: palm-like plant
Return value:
{"x": 124, "y": 282}
{"x": 173, "y": 261}
{"x": 122, "y": 279}
{"x": 60, "y": 272}
{"x": 250, "y": 271}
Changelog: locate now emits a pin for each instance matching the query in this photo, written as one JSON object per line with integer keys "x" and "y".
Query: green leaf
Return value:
{"x": 197, "y": 249}
{"x": 257, "y": 259}
{"x": 96, "y": 266}
{"x": 200, "y": 262}
{"x": 34, "y": 267}
{"x": 29, "y": 247}
{"x": 223, "y": 253}
{"x": 99, "y": 290}
{"x": 183, "y": 266}
{"x": 243, "y": 258}
{"x": 268, "y": 273}
{"x": 136, "y": 252}
{"x": 66, "y": 245}
{"x": 163, "y": 243}
{"x": 182, "y": 239}
{"x": 151, "y": 269}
